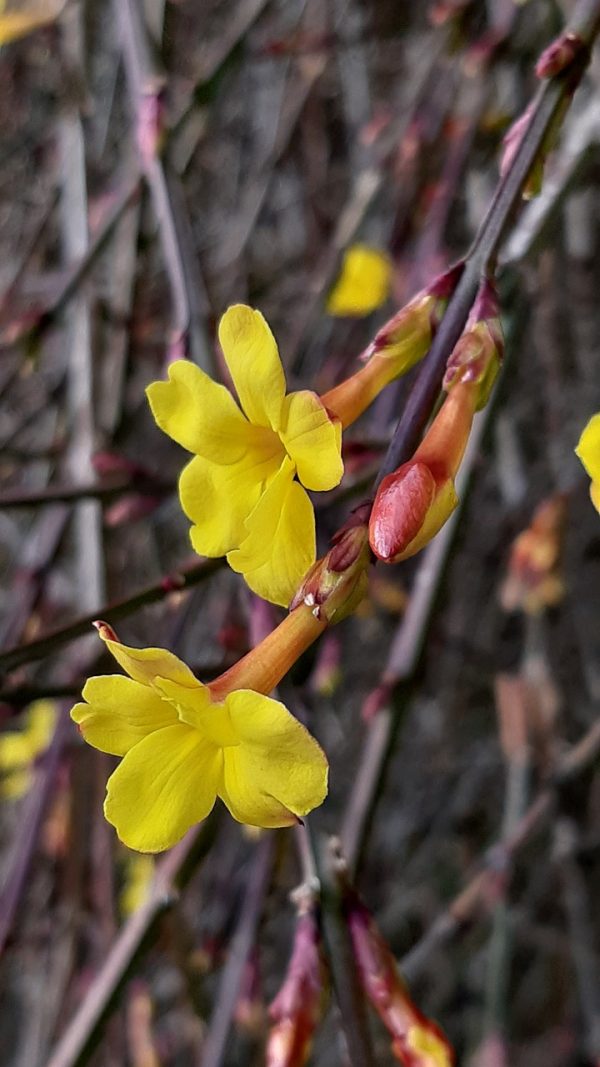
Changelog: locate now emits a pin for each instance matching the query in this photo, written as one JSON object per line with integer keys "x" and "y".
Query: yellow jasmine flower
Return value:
{"x": 240, "y": 490}
{"x": 18, "y": 19}
{"x": 588, "y": 450}
{"x": 184, "y": 744}
{"x": 20, "y": 748}
{"x": 364, "y": 282}
{"x": 139, "y": 872}
{"x": 428, "y": 1047}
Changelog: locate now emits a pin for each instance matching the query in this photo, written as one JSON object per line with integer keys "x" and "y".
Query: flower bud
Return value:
{"x": 410, "y": 508}
{"x": 297, "y": 1007}
{"x": 398, "y": 345}
{"x": 415, "y": 501}
{"x": 534, "y": 581}
{"x": 406, "y": 337}
{"x": 559, "y": 54}
{"x": 512, "y": 142}
{"x": 336, "y": 584}
{"x": 417, "y": 1041}
{"x": 478, "y": 353}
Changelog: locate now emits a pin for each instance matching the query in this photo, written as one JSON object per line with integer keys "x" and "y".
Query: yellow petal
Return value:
{"x": 218, "y": 499}
{"x": 199, "y": 414}
{"x": 16, "y": 750}
{"x": 313, "y": 440}
{"x": 251, "y": 354}
{"x": 27, "y": 18}
{"x": 163, "y": 786}
{"x": 588, "y": 448}
{"x": 595, "y": 495}
{"x": 138, "y": 883}
{"x": 364, "y": 282}
{"x": 119, "y": 712}
{"x": 280, "y": 545}
{"x": 40, "y": 721}
{"x": 146, "y": 664}
{"x": 195, "y": 707}
{"x": 16, "y": 783}
{"x": 278, "y": 771}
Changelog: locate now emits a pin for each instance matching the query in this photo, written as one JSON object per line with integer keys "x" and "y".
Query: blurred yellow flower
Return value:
{"x": 20, "y": 748}
{"x": 139, "y": 872}
{"x": 20, "y": 17}
{"x": 428, "y": 1048}
{"x": 588, "y": 450}
{"x": 182, "y": 748}
{"x": 364, "y": 282}
{"x": 240, "y": 490}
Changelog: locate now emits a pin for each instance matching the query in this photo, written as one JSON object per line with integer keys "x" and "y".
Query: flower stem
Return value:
{"x": 267, "y": 663}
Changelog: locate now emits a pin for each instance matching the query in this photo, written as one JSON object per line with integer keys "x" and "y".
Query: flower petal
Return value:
{"x": 163, "y": 786}
{"x": 199, "y": 414}
{"x": 146, "y": 664}
{"x": 119, "y": 712}
{"x": 251, "y": 354}
{"x": 364, "y": 282}
{"x": 588, "y": 448}
{"x": 595, "y": 495}
{"x": 218, "y": 499}
{"x": 278, "y": 771}
{"x": 280, "y": 544}
{"x": 313, "y": 439}
{"x": 196, "y": 708}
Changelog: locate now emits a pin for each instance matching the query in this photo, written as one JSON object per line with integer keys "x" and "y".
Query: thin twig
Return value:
{"x": 146, "y": 82}
{"x": 120, "y": 609}
{"x": 465, "y": 905}
{"x": 214, "y": 1048}
{"x": 482, "y": 254}
{"x": 171, "y": 876}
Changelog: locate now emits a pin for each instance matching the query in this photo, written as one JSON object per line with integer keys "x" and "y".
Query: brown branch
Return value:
{"x": 480, "y": 889}
{"x": 120, "y": 609}
{"x": 172, "y": 874}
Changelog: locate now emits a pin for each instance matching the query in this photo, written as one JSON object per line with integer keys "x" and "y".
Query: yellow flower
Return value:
{"x": 240, "y": 490}
{"x": 19, "y": 748}
{"x": 21, "y": 19}
{"x": 183, "y": 745}
{"x": 428, "y": 1047}
{"x": 588, "y": 450}
{"x": 364, "y": 282}
{"x": 139, "y": 872}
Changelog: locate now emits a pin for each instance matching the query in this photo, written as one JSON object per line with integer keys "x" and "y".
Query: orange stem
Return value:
{"x": 264, "y": 666}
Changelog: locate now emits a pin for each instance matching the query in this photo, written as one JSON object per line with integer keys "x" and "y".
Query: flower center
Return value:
{"x": 213, "y": 721}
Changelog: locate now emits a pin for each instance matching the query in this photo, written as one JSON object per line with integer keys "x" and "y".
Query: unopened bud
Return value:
{"x": 415, "y": 501}
{"x": 478, "y": 353}
{"x": 407, "y": 336}
{"x": 409, "y": 509}
{"x": 559, "y": 54}
{"x": 336, "y": 584}
{"x": 534, "y": 580}
{"x": 512, "y": 142}
{"x": 297, "y": 1007}
{"x": 417, "y": 1041}
{"x": 398, "y": 345}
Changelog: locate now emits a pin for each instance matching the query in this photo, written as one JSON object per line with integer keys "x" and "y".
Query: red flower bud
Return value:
{"x": 297, "y": 1007}
{"x": 336, "y": 584}
{"x": 559, "y": 54}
